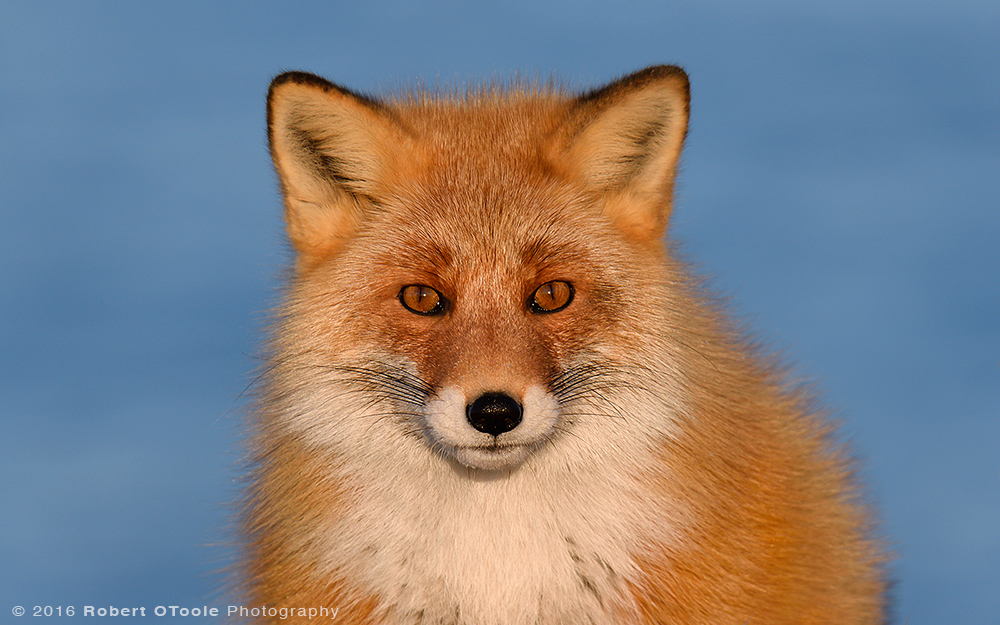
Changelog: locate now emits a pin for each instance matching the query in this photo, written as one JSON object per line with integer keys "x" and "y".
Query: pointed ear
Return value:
{"x": 623, "y": 141}
{"x": 333, "y": 151}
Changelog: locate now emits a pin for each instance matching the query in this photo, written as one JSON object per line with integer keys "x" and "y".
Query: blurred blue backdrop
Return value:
{"x": 841, "y": 182}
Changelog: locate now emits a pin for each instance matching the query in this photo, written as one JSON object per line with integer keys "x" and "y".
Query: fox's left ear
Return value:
{"x": 623, "y": 141}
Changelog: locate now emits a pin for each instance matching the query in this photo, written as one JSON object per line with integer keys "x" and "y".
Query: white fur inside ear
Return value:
{"x": 625, "y": 146}
{"x": 631, "y": 142}
{"x": 332, "y": 151}
{"x": 322, "y": 139}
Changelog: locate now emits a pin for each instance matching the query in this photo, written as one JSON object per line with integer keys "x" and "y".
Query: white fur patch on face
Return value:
{"x": 447, "y": 524}
{"x": 451, "y": 432}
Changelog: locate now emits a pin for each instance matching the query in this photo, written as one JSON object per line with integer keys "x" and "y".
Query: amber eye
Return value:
{"x": 422, "y": 300}
{"x": 551, "y": 297}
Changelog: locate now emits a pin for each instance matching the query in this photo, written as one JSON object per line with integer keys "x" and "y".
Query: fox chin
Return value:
{"x": 494, "y": 396}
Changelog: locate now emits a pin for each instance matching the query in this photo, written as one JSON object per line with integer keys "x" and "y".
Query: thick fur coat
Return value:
{"x": 494, "y": 396}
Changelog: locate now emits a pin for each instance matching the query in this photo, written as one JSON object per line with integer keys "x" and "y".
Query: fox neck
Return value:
{"x": 534, "y": 545}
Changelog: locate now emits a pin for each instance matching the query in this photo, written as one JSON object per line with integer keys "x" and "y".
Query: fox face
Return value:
{"x": 495, "y": 398}
{"x": 487, "y": 253}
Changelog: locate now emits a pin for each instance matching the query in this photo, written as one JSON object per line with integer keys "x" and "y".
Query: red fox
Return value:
{"x": 494, "y": 396}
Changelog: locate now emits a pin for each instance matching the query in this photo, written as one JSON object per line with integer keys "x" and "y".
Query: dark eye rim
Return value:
{"x": 538, "y": 310}
{"x": 439, "y": 309}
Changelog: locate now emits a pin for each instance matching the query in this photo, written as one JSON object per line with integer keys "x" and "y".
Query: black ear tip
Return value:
{"x": 306, "y": 79}
{"x": 660, "y": 71}
{"x": 301, "y": 78}
{"x": 640, "y": 79}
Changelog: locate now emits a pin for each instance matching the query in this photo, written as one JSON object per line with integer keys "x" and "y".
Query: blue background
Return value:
{"x": 841, "y": 182}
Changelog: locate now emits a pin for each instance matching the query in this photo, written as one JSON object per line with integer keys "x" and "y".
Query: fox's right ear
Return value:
{"x": 332, "y": 150}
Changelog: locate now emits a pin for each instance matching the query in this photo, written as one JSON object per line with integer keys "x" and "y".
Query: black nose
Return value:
{"x": 494, "y": 413}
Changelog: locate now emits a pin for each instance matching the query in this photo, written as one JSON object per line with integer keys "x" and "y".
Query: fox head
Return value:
{"x": 477, "y": 276}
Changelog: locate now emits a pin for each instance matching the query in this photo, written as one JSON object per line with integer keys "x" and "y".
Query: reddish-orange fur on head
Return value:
{"x": 735, "y": 505}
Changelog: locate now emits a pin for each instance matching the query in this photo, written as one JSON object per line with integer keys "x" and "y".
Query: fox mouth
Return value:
{"x": 492, "y": 457}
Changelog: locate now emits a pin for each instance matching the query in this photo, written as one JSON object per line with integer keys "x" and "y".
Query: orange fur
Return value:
{"x": 736, "y": 505}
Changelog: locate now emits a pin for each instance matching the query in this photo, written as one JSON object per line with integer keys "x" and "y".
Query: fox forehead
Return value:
{"x": 518, "y": 219}
{"x": 481, "y": 164}
{"x": 511, "y": 122}
{"x": 476, "y": 256}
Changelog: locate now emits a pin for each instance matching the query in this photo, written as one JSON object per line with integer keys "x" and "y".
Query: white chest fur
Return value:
{"x": 534, "y": 546}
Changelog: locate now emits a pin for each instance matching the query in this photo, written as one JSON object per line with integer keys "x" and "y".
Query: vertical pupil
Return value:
{"x": 419, "y": 298}
{"x": 551, "y": 295}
